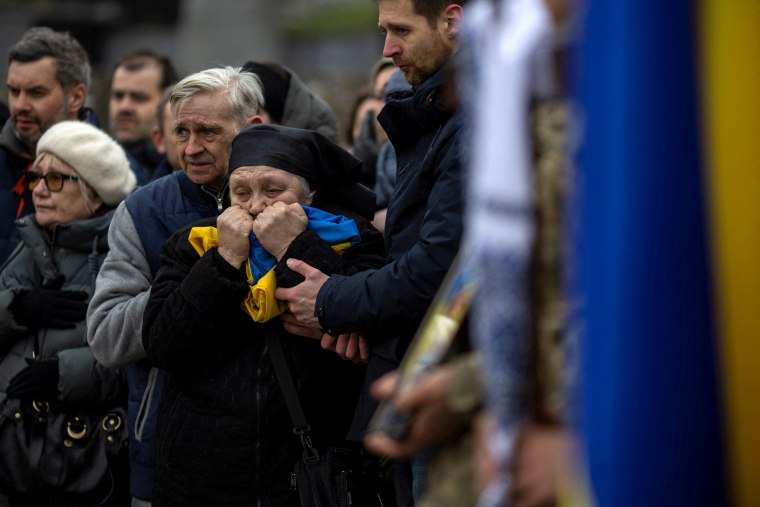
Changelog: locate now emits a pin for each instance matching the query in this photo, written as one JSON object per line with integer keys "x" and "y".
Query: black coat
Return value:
{"x": 225, "y": 437}
{"x": 423, "y": 231}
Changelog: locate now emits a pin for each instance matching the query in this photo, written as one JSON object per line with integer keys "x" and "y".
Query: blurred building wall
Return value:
{"x": 318, "y": 39}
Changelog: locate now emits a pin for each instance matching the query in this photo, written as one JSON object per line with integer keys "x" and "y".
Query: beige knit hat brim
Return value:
{"x": 94, "y": 155}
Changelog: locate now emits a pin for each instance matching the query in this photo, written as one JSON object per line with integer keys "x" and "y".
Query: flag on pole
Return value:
{"x": 730, "y": 84}
{"x": 651, "y": 398}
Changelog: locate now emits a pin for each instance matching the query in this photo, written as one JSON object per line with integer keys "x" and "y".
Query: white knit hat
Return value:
{"x": 97, "y": 159}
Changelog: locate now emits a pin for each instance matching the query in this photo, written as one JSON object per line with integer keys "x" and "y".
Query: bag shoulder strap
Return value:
{"x": 285, "y": 380}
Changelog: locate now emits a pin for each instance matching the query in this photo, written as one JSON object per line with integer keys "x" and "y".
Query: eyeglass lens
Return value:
{"x": 53, "y": 181}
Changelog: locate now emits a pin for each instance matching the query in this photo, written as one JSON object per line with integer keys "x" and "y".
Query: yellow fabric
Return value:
{"x": 341, "y": 247}
{"x": 203, "y": 239}
{"x": 731, "y": 79}
{"x": 260, "y": 303}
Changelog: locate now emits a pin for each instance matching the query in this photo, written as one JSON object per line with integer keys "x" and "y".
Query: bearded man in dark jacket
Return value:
{"x": 424, "y": 221}
{"x": 225, "y": 436}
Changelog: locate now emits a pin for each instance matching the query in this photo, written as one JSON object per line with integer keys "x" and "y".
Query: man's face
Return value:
{"x": 417, "y": 48}
{"x": 36, "y": 99}
{"x": 205, "y": 130}
{"x": 132, "y": 105}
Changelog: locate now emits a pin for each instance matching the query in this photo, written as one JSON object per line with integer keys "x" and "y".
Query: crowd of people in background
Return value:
{"x": 146, "y": 267}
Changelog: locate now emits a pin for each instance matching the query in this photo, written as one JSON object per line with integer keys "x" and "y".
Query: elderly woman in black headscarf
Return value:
{"x": 225, "y": 436}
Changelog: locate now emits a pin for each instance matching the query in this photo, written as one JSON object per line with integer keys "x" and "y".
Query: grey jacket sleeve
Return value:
{"x": 115, "y": 314}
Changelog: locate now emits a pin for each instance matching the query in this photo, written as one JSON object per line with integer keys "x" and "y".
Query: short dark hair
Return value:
{"x": 73, "y": 65}
{"x": 431, "y": 9}
{"x": 142, "y": 58}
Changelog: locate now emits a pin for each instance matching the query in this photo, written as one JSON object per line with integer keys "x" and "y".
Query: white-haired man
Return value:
{"x": 210, "y": 108}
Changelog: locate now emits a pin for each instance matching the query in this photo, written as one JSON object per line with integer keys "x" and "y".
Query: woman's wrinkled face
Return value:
{"x": 255, "y": 188}
{"x": 64, "y": 206}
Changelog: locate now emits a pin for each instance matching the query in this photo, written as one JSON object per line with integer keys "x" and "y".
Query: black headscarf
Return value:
{"x": 332, "y": 172}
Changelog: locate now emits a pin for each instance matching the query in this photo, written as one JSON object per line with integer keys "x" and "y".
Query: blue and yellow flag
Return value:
{"x": 730, "y": 80}
{"x": 666, "y": 252}
{"x": 338, "y": 231}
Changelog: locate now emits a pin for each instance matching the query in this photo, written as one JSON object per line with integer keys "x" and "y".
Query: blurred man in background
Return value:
{"x": 163, "y": 137}
{"x": 137, "y": 83}
{"x": 48, "y": 79}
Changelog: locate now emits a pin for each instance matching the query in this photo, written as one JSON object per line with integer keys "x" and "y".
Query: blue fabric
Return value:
{"x": 260, "y": 261}
{"x": 141, "y": 452}
{"x": 649, "y": 408}
{"x": 334, "y": 229}
{"x": 164, "y": 206}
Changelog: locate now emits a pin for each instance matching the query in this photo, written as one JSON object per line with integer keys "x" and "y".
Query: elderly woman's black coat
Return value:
{"x": 225, "y": 437}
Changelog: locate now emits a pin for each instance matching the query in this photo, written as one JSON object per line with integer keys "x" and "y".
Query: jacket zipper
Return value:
{"x": 218, "y": 196}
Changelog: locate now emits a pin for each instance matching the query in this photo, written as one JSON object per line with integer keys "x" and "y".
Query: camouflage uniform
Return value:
{"x": 451, "y": 475}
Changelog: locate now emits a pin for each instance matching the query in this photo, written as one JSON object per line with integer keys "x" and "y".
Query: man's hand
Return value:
{"x": 292, "y": 326}
{"x": 302, "y": 299}
{"x": 351, "y": 346}
{"x": 425, "y": 403}
{"x": 233, "y": 227}
{"x": 540, "y": 458}
{"x": 278, "y": 225}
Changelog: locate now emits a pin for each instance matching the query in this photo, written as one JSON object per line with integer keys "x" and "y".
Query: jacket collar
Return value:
{"x": 408, "y": 114}
{"x": 201, "y": 194}
{"x": 88, "y": 235}
{"x": 10, "y": 142}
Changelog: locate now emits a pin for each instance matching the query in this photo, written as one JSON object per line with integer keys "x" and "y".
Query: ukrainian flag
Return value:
{"x": 339, "y": 232}
{"x": 730, "y": 31}
{"x": 667, "y": 250}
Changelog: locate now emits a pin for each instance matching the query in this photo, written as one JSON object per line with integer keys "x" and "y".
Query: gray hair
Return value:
{"x": 72, "y": 61}
{"x": 243, "y": 89}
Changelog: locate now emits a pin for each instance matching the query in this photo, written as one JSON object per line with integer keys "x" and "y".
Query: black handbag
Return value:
{"x": 330, "y": 476}
{"x": 75, "y": 457}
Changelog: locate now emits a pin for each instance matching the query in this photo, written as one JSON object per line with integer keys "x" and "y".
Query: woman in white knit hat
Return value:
{"x": 61, "y": 413}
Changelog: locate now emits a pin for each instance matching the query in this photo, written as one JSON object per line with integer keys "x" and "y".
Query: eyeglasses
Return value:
{"x": 53, "y": 181}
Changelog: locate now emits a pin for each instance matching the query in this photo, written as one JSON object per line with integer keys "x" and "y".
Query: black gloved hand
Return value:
{"x": 38, "y": 381}
{"x": 41, "y": 307}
